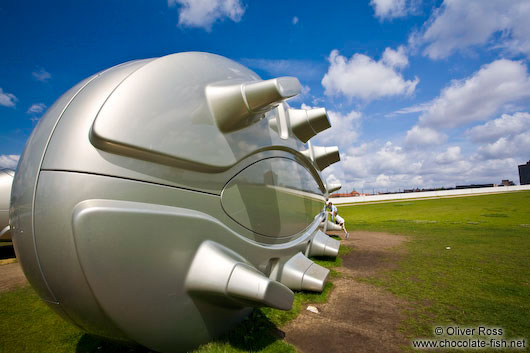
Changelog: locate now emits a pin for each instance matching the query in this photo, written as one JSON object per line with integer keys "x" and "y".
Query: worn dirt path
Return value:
{"x": 358, "y": 317}
{"x": 11, "y": 276}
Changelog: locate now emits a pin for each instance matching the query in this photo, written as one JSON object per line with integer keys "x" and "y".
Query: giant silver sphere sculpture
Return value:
{"x": 160, "y": 200}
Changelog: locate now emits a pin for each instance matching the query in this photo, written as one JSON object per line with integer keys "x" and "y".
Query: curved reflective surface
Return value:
{"x": 275, "y": 197}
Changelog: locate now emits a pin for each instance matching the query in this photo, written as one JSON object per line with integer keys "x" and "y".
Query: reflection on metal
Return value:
{"x": 307, "y": 123}
{"x": 235, "y": 106}
{"x": 300, "y": 273}
{"x": 332, "y": 187}
{"x": 6, "y": 180}
{"x": 330, "y": 226}
{"x": 323, "y": 156}
{"x": 323, "y": 245}
{"x": 160, "y": 200}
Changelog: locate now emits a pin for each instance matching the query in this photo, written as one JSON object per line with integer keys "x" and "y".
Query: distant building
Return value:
{"x": 506, "y": 182}
{"x": 524, "y": 174}
{"x": 353, "y": 193}
{"x": 473, "y": 186}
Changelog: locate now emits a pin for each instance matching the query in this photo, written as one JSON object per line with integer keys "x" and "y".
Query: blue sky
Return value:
{"x": 420, "y": 93}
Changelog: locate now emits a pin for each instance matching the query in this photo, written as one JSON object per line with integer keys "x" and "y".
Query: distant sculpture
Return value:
{"x": 160, "y": 200}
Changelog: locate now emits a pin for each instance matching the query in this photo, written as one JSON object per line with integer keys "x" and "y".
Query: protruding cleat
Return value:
{"x": 262, "y": 94}
{"x": 332, "y": 187}
{"x": 219, "y": 272}
{"x": 307, "y": 123}
{"x": 300, "y": 273}
{"x": 332, "y": 226}
{"x": 323, "y": 156}
{"x": 236, "y": 106}
{"x": 250, "y": 285}
{"x": 323, "y": 245}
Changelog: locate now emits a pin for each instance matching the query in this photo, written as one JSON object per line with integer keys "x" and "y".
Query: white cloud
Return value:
{"x": 204, "y": 13}
{"x": 387, "y": 9}
{"x": 344, "y": 129}
{"x": 507, "y": 126}
{"x": 451, "y": 155}
{"x": 36, "y": 108}
{"x": 7, "y": 99}
{"x": 9, "y": 161}
{"x": 362, "y": 77}
{"x": 295, "y": 20}
{"x": 419, "y": 136}
{"x": 460, "y": 24}
{"x": 408, "y": 110}
{"x": 507, "y": 136}
{"x": 41, "y": 75}
{"x": 505, "y": 147}
{"x": 395, "y": 58}
{"x": 479, "y": 96}
{"x": 332, "y": 179}
{"x": 388, "y": 166}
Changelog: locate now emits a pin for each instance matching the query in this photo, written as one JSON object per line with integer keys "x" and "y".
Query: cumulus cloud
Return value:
{"x": 507, "y": 136}
{"x": 506, "y": 126}
{"x": 388, "y": 166}
{"x": 388, "y": 9}
{"x": 460, "y": 24}
{"x": 372, "y": 165}
{"x": 41, "y": 75}
{"x": 332, "y": 179}
{"x": 204, "y": 13}
{"x": 36, "y": 108}
{"x": 504, "y": 147}
{"x": 395, "y": 58}
{"x": 480, "y": 96}
{"x": 7, "y": 99}
{"x": 422, "y": 136}
{"x": 344, "y": 128}
{"x": 9, "y": 161}
{"x": 451, "y": 155}
{"x": 362, "y": 77}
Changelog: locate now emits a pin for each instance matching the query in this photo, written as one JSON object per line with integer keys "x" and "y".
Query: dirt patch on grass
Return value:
{"x": 358, "y": 317}
{"x": 11, "y": 277}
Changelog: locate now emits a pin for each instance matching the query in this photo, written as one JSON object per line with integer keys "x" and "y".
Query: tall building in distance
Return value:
{"x": 524, "y": 174}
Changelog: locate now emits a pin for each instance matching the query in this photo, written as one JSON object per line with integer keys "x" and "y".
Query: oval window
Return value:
{"x": 275, "y": 197}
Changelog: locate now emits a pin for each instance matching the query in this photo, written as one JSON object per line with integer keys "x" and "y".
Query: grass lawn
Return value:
{"x": 28, "y": 325}
{"x": 483, "y": 279}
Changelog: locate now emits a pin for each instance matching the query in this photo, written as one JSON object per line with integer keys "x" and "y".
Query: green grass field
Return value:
{"x": 28, "y": 325}
{"x": 483, "y": 279}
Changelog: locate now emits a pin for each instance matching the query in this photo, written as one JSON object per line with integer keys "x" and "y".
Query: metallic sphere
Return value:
{"x": 158, "y": 201}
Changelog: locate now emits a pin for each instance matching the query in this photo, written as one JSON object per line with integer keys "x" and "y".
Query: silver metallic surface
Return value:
{"x": 161, "y": 199}
{"x": 332, "y": 187}
{"x": 6, "y": 181}
{"x": 323, "y": 245}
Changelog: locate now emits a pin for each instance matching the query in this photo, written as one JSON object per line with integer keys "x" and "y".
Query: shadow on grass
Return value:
{"x": 255, "y": 333}
{"x": 92, "y": 344}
